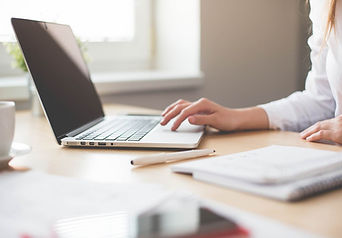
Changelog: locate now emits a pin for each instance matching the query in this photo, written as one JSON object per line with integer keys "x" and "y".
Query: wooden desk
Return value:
{"x": 321, "y": 214}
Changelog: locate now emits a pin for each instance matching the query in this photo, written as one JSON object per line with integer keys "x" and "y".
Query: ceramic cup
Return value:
{"x": 7, "y": 120}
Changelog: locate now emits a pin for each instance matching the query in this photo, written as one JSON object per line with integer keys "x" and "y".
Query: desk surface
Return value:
{"x": 321, "y": 214}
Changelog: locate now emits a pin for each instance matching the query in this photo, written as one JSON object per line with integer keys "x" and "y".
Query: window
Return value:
{"x": 133, "y": 45}
{"x": 87, "y": 18}
{"x": 116, "y": 32}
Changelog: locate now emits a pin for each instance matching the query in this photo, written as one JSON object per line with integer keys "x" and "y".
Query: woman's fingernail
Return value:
{"x": 192, "y": 119}
{"x": 164, "y": 112}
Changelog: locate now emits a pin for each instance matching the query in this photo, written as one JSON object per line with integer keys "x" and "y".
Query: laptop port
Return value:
{"x": 91, "y": 143}
{"x": 83, "y": 143}
{"x": 102, "y": 143}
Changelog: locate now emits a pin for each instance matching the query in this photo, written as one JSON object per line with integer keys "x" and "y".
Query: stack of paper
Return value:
{"x": 281, "y": 172}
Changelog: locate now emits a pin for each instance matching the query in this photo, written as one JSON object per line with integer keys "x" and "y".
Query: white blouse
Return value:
{"x": 322, "y": 97}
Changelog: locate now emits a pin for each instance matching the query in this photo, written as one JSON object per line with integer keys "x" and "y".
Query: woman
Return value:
{"x": 316, "y": 111}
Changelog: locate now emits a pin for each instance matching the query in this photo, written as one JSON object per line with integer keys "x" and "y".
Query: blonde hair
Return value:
{"x": 331, "y": 18}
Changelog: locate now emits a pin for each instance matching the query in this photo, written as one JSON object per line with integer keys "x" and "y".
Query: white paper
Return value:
{"x": 271, "y": 164}
{"x": 32, "y": 202}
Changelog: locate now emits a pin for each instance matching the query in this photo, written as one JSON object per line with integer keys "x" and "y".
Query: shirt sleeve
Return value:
{"x": 302, "y": 109}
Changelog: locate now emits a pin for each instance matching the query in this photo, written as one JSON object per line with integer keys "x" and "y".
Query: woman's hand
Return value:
{"x": 325, "y": 130}
{"x": 201, "y": 112}
{"x": 206, "y": 112}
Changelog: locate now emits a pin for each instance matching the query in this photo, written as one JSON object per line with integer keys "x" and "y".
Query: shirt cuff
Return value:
{"x": 272, "y": 111}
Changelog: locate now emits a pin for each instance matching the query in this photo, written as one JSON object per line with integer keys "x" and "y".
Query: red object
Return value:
{"x": 239, "y": 232}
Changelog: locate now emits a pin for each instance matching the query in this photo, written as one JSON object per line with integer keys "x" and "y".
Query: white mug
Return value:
{"x": 7, "y": 121}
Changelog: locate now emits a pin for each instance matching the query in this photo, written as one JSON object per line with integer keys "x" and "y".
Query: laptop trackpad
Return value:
{"x": 186, "y": 133}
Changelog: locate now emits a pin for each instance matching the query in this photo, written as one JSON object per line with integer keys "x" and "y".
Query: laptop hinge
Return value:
{"x": 81, "y": 129}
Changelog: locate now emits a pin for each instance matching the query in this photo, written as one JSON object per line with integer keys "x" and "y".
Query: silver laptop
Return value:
{"x": 71, "y": 103}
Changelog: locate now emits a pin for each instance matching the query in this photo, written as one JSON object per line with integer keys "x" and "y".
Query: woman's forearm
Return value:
{"x": 251, "y": 118}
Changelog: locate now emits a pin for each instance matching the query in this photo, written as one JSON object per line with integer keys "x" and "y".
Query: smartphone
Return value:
{"x": 204, "y": 224}
{"x": 172, "y": 219}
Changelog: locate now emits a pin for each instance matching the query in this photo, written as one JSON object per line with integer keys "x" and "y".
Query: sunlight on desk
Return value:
{"x": 321, "y": 214}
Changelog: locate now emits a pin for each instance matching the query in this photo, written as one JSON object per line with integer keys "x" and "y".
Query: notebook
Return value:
{"x": 71, "y": 103}
{"x": 281, "y": 172}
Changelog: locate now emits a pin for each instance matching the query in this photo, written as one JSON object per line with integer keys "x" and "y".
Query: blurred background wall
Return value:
{"x": 252, "y": 52}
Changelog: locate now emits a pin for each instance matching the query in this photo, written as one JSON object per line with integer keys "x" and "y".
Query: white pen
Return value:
{"x": 168, "y": 157}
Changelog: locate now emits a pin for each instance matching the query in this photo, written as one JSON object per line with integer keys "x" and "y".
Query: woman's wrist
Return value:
{"x": 252, "y": 118}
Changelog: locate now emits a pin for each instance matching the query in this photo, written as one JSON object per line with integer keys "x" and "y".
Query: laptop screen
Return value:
{"x": 60, "y": 74}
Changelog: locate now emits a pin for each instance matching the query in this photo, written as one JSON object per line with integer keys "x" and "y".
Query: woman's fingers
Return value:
{"x": 201, "y": 112}
{"x": 173, "y": 112}
{"x": 323, "y": 125}
{"x": 326, "y": 130}
{"x": 169, "y": 108}
{"x": 321, "y": 135}
{"x": 202, "y": 105}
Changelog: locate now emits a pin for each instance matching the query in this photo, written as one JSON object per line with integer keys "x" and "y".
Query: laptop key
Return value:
{"x": 113, "y": 136}
{"x": 135, "y": 139}
{"x": 90, "y": 137}
{"x": 103, "y": 136}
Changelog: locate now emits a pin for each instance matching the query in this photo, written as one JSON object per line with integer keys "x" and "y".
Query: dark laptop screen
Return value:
{"x": 60, "y": 74}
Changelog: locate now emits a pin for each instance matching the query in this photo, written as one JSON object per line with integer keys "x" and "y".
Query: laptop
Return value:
{"x": 71, "y": 103}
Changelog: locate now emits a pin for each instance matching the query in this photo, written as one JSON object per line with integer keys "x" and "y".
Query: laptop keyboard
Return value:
{"x": 121, "y": 130}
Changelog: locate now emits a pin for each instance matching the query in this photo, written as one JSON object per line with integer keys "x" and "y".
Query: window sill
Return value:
{"x": 15, "y": 88}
